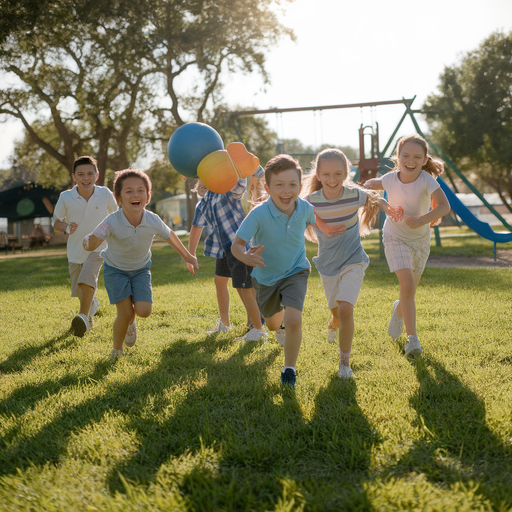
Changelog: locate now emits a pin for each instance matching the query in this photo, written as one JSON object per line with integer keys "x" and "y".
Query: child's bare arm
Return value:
{"x": 252, "y": 257}
{"x": 441, "y": 209}
{"x": 65, "y": 227}
{"x": 91, "y": 242}
{"x": 178, "y": 246}
{"x": 327, "y": 230}
{"x": 374, "y": 184}
{"x": 395, "y": 212}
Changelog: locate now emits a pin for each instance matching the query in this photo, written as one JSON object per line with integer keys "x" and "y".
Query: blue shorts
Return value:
{"x": 121, "y": 284}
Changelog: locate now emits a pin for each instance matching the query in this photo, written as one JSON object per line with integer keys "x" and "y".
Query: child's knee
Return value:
{"x": 345, "y": 311}
{"x": 142, "y": 309}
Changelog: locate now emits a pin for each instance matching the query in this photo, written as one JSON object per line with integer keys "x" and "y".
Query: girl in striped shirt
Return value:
{"x": 341, "y": 259}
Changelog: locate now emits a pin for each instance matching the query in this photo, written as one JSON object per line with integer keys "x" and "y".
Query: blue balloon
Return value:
{"x": 189, "y": 144}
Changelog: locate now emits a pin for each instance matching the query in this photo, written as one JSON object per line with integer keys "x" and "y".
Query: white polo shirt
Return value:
{"x": 129, "y": 246}
{"x": 72, "y": 207}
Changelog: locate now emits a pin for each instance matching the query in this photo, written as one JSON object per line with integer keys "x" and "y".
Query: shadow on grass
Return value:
{"x": 20, "y": 358}
{"x": 456, "y": 443}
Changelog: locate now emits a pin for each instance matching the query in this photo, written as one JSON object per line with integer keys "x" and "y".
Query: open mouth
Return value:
{"x": 286, "y": 200}
{"x": 135, "y": 203}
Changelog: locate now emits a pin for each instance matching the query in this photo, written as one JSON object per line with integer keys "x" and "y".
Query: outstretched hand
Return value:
{"x": 395, "y": 212}
{"x": 253, "y": 256}
{"x": 326, "y": 229}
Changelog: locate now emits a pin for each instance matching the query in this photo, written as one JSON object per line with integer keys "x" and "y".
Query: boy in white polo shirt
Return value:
{"x": 77, "y": 213}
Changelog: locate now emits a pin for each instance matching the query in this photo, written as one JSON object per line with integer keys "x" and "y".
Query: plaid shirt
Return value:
{"x": 222, "y": 214}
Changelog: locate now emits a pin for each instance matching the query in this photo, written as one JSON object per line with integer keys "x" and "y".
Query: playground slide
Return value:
{"x": 481, "y": 228}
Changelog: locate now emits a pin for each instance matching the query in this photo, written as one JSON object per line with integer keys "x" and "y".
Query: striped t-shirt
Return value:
{"x": 344, "y": 249}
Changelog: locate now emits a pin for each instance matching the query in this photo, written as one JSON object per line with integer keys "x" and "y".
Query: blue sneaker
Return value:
{"x": 288, "y": 377}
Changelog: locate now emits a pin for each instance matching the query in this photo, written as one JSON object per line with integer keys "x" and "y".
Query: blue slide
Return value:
{"x": 481, "y": 228}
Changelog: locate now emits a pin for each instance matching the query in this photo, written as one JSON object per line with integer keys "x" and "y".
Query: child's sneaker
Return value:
{"x": 219, "y": 327}
{"x": 396, "y": 324}
{"x": 345, "y": 372}
{"x": 80, "y": 325}
{"x": 131, "y": 334}
{"x": 253, "y": 335}
{"x": 117, "y": 353}
{"x": 413, "y": 348}
{"x": 288, "y": 377}
{"x": 94, "y": 307}
{"x": 280, "y": 333}
{"x": 332, "y": 334}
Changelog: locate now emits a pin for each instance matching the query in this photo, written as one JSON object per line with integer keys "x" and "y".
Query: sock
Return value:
{"x": 345, "y": 358}
{"x": 291, "y": 367}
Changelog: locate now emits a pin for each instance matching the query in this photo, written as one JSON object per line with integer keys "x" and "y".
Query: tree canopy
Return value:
{"x": 471, "y": 115}
{"x": 115, "y": 79}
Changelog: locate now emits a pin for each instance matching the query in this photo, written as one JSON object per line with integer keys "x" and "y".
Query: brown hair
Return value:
{"x": 282, "y": 163}
{"x": 123, "y": 175}
{"x": 85, "y": 160}
{"x": 434, "y": 166}
{"x": 367, "y": 214}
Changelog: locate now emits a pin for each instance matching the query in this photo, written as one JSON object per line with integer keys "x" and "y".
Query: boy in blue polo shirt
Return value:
{"x": 280, "y": 278}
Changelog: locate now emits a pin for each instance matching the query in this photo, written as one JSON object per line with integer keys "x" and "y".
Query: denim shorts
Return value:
{"x": 121, "y": 284}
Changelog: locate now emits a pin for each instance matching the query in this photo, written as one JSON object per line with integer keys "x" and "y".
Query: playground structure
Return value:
{"x": 378, "y": 164}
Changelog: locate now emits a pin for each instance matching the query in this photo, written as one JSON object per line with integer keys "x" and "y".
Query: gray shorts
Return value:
{"x": 289, "y": 291}
{"x": 85, "y": 273}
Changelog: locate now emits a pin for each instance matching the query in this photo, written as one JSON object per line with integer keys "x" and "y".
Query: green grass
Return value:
{"x": 191, "y": 422}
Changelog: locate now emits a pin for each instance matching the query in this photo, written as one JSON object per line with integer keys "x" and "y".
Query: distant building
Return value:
{"x": 481, "y": 212}
{"x": 173, "y": 211}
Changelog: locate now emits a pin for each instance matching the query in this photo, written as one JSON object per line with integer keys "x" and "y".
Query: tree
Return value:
{"x": 471, "y": 116}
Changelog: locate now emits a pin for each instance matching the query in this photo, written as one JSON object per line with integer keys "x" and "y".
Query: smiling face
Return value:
{"x": 284, "y": 188}
{"x": 411, "y": 158}
{"x": 85, "y": 176}
{"x": 134, "y": 195}
{"x": 331, "y": 173}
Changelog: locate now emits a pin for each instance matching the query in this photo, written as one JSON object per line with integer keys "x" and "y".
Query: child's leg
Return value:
{"x": 251, "y": 306}
{"x": 125, "y": 316}
{"x": 222, "y": 291}
{"x": 293, "y": 335}
{"x": 142, "y": 309}
{"x": 334, "y": 321}
{"x": 407, "y": 306}
{"x": 85, "y": 295}
{"x": 346, "y": 321}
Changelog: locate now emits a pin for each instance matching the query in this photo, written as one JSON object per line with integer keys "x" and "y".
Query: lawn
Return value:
{"x": 195, "y": 422}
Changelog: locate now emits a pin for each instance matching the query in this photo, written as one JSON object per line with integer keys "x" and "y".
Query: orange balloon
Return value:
{"x": 245, "y": 163}
{"x": 217, "y": 172}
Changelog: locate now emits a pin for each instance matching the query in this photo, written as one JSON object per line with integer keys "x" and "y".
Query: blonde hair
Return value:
{"x": 367, "y": 214}
{"x": 434, "y": 166}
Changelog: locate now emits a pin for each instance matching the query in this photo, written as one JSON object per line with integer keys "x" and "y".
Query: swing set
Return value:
{"x": 376, "y": 163}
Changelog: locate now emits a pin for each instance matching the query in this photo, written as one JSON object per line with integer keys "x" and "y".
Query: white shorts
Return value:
{"x": 401, "y": 254}
{"x": 345, "y": 286}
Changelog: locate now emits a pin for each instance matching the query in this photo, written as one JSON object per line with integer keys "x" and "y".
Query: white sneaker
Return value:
{"x": 131, "y": 334}
{"x": 345, "y": 372}
{"x": 332, "y": 334}
{"x": 94, "y": 307}
{"x": 219, "y": 327}
{"x": 253, "y": 335}
{"x": 396, "y": 324}
{"x": 413, "y": 348}
{"x": 280, "y": 333}
{"x": 80, "y": 325}
{"x": 117, "y": 353}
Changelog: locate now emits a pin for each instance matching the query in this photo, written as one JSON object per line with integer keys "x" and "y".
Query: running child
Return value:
{"x": 412, "y": 184}
{"x": 341, "y": 260}
{"x": 222, "y": 214}
{"x": 280, "y": 276}
{"x": 130, "y": 232}
{"x": 78, "y": 212}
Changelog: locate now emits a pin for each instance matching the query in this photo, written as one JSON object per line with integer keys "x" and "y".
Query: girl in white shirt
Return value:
{"x": 130, "y": 232}
{"x": 412, "y": 184}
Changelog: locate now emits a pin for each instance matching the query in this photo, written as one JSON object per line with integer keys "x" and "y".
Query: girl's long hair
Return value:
{"x": 434, "y": 166}
{"x": 367, "y": 214}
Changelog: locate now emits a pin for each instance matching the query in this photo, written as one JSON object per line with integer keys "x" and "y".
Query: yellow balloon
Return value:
{"x": 217, "y": 172}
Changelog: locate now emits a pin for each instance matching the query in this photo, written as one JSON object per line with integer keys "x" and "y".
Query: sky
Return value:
{"x": 353, "y": 52}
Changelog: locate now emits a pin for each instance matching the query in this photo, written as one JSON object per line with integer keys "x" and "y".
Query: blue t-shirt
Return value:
{"x": 344, "y": 249}
{"x": 282, "y": 236}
